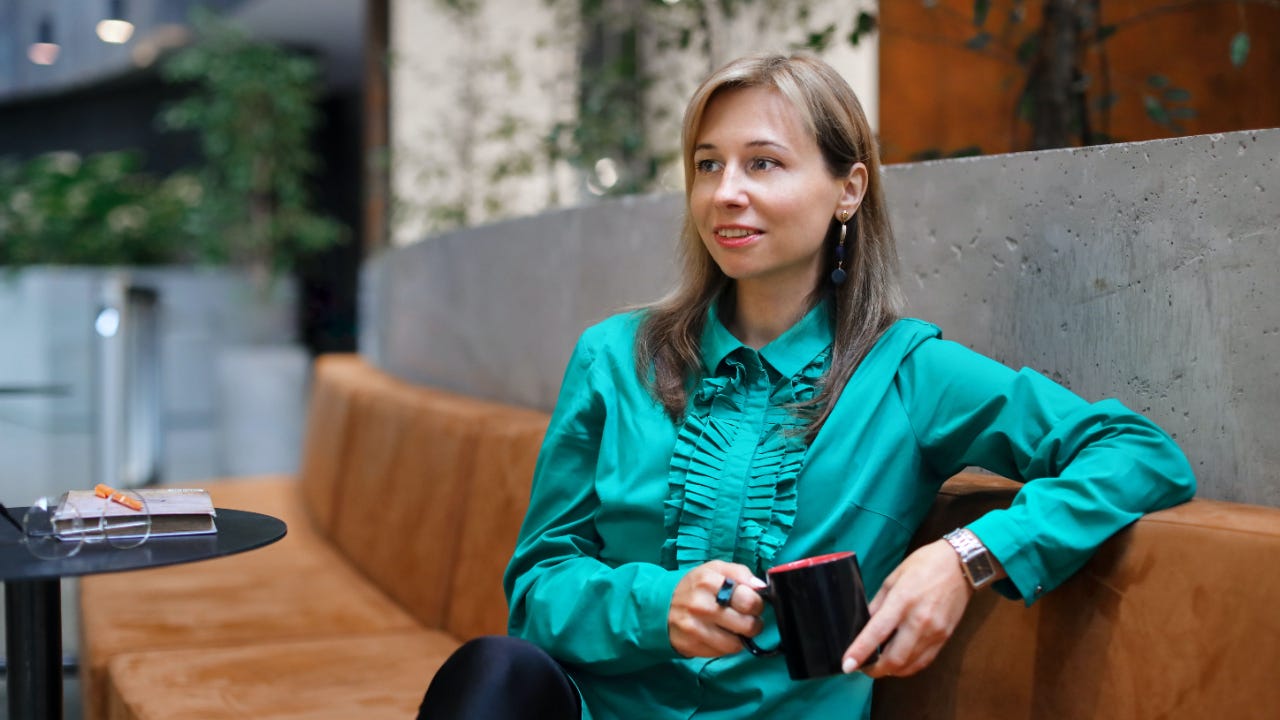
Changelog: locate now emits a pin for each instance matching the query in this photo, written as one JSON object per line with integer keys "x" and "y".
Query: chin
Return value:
{"x": 735, "y": 274}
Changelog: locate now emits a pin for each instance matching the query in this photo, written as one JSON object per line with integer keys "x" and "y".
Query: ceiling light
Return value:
{"x": 114, "y": 28}
{"x": 44, "y": 51}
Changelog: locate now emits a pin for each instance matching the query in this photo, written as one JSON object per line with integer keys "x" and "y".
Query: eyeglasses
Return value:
{"x": 60, "y": 526}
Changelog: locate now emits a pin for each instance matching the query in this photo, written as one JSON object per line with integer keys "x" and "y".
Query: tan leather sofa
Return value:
{"x": 405, "y": 510}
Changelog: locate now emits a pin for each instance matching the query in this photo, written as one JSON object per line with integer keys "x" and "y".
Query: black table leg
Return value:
{"x": 33, "y": 627}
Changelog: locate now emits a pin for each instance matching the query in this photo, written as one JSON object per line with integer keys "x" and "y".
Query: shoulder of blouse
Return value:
{"x": 605, "y": 351}
{"x": 897, "y": 343}
{"x": 915, "y": 326}
{"x": 615, "y": 336}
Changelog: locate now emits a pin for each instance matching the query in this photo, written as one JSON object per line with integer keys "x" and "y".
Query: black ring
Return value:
{"x": 725, "y": 595}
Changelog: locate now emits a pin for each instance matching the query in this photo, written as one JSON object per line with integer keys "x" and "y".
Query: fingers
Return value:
{"x": 698, "y": 625}
{"x": 745, "y": 600}
{"x": 875, "y": 634}
{"x": 909, "y": 649}
{"x": 913, "y": 615}
{"x": 717, "y": 644}
{"x": 740, "y": 602}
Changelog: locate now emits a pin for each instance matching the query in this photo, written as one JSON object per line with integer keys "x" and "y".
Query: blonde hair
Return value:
{"x": 867, "y": 302}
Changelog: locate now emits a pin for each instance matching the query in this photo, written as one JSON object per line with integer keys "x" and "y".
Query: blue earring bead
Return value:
{"x": 838, "y": 276}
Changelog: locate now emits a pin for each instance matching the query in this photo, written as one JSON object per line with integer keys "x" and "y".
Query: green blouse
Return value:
{"x": 625, "y": 501}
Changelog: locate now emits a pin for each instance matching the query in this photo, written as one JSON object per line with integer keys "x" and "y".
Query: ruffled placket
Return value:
{"x": 732, "y": 484}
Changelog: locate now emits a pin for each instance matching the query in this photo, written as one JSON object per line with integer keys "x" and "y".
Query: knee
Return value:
{"x": 500, "y": 677}
{"x": 494, "y": 645}
{"x": 499, "y": 654}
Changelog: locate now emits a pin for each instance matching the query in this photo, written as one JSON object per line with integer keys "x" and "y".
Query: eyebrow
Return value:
{"x": 753, "y": 143}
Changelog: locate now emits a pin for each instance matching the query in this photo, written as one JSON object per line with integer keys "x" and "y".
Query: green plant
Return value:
{"x": 607, "y": 139}
{"x": 253, "y": 106}
{"x": 612, "y": 139}
{"x": 59, "y": 208}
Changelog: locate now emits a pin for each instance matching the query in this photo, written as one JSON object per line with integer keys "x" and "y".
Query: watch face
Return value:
{"x": 979, "y": 570}
{"x": 974, "y": 557}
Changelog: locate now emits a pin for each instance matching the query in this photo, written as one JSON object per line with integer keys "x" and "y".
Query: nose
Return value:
{"x": 731, "y": 189}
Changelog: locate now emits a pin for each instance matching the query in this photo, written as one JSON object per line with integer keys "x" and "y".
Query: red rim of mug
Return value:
{"x": 810, "y": 562}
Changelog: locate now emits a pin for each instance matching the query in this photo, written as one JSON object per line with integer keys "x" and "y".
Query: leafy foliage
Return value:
{"x": 1239, "y": 48}
{"x": 253, "y": 107}
{"x": 617, "y": 77}
{"x": 59, "y": 208}
{"x": 610, "y": 108}
{"x": 863, "y": 25}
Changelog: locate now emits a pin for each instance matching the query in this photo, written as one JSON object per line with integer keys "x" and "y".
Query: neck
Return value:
{"x": 763, "y": 311}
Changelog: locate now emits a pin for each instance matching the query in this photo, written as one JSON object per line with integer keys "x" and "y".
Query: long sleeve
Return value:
{"x": 1089, "y": 469}
{"x": 607, "y": 618}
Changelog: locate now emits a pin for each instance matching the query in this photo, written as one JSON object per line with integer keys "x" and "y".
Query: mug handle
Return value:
{"x": 722, "y": 599}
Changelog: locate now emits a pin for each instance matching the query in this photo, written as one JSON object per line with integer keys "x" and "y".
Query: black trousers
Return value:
{"x": 500, "y": 677}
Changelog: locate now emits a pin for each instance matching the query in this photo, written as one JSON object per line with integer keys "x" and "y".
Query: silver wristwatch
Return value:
{"x": 975, "y": 559}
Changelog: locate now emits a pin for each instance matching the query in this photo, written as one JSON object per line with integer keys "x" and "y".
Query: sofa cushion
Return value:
{"x": 369, "y": 677}
{"x": 296, "y": 588}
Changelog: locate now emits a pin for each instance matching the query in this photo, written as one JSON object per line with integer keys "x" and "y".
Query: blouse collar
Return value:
{"x": 789, "y": 353}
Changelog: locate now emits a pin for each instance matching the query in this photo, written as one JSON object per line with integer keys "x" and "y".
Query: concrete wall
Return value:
{"x": 1146, "y": 272}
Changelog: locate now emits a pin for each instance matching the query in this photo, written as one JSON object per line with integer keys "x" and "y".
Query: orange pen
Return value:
{"x": 106, "y": 491}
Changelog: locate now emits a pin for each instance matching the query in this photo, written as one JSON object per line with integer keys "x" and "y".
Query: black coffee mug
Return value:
{"x": 821, "y": 606}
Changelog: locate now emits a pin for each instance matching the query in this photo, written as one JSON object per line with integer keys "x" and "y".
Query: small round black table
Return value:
{"x": 33, "y": 602}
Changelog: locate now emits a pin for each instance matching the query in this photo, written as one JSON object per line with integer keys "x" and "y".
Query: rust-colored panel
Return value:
{"x": 938, "y": 96}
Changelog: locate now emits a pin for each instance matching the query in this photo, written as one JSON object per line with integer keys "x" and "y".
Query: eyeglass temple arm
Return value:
{"x": 12, "y": 520}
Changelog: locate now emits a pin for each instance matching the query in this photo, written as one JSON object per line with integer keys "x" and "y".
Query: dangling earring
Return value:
{"x": 838, "y": 275}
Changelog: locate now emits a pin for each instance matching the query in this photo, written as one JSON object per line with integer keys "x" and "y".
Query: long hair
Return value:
{"x": 668, "y": 345}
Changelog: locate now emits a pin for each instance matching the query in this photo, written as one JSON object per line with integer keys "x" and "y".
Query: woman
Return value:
{"x": 773, "y": 408}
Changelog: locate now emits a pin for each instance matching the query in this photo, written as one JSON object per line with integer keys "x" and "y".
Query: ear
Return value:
{"x": 853, "y": 187}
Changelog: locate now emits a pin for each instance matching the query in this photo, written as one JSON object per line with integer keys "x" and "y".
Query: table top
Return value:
{"x": 238, "y": 531}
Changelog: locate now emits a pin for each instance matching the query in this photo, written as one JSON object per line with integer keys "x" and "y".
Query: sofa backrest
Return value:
{"x": 1174, "y": 617}
{"x": 336, "y": 382}
{"x": 496, "y": 504}
{"x": 422, "y": 489}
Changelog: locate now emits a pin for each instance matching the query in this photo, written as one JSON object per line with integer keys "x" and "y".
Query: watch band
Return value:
{"x": 975, "y": 559}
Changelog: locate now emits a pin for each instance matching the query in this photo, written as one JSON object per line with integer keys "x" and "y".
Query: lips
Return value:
{"x": 734, "y": 236}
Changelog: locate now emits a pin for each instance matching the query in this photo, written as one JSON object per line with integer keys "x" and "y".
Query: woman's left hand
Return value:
{"x": 916, "y": 610}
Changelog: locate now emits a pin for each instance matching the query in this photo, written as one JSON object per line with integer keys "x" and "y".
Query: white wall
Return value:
{"x": 456, "y": 83}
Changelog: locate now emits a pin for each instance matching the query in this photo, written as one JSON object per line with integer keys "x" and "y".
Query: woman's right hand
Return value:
{"x": 700, "y": 627}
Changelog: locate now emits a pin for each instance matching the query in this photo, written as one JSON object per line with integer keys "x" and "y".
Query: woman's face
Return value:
{"x": 762, "y": 197}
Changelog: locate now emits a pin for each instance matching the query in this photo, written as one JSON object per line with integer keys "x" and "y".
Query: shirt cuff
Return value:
{"x": 1028, "y": 578}
{"x": 653, "y": 600}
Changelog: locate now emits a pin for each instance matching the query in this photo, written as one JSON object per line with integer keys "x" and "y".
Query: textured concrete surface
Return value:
{"x": 495, "y": 311}
{"x": 1145, "y": 271}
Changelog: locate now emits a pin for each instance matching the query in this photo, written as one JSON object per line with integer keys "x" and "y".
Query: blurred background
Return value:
{"x": 188, "y": 190}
